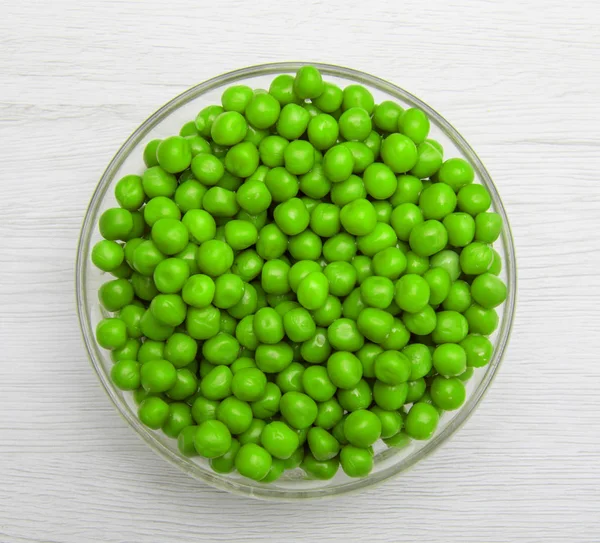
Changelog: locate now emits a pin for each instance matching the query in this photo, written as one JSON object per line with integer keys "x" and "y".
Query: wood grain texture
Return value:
{"x": 518, "y": 79}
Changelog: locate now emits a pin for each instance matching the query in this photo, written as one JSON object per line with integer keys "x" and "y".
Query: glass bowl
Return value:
{"x": 167, "y": 121}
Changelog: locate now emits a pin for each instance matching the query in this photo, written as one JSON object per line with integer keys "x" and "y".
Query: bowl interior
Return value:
{"x": 128, "y": 160}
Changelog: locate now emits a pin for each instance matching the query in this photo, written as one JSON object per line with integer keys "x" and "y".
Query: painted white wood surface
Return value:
{"x": 519, "y": 79}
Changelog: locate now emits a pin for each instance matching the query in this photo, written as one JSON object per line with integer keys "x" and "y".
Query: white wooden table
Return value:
{"x": 518, "y": 78}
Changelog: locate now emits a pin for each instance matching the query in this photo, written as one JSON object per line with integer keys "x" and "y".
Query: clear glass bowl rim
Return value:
{"x": 266, "y": 491}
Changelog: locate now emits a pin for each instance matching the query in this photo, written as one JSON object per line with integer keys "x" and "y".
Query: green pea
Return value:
{"x": 373, "y": 142}
{"x": 414, "y": 124}
{"x": 347, "y": 191}
{"x": 253, "y": 433}
{"x": 263, "y": 111}
{"x": 359, "y": 397}
{"x": 268, "y": 326}
{"x": 323, "y": 131}
{"x": 343, "y": 335}
{"x": 488, "y": 290}
{"x": 299, "y": 325}
{"x": 153, "y": 412}
{"x": 115, "y": 224}
{"x": 293, "y": 121}
{"x": 160, "y": 207}
{"x": 449, "y": 260}
{"x": 226, "y": 462}
{"x": 272, "y": 242}
{"x": 456, "y": 173}
{"x": 428, "y": 238}
{"x": 197, "y": 145}
{"x": 107, "y": 255}
{"x": 299, "y": 410}
{"x": 476, "y": 258}
{"x": 282, "y": 89}
{"x": 214, "y": 257}
{"x": 291, "y": 216}
{"x": 186, "y": 385}
{"x": 212, "y": 439}
{"x": 358, "y": 96}
{"x": 399, "y": 441}
{"x": 273, "y": 358}
{"x": 220, "y": 202}
{"x": 221, "y": 348}
{"x": 299, "y": 157}
{"x": 341, "y": 277}
{"x": 422, "y": 322}
{"x": 174, "y": 154}
{"x": 158, "y": 375}
{"x": 156, "y": 181}
{"x": 290, "y": 379}
{"x": 247, "y": 265}
{"x": 353, "y": 305}
{"x": 150, "y": 153}
{"x": 247, "y": 305}
{"x": 313, "y": 290}
{"x": 361, "y": 154}
{"x": 367, "y": 355}
{"x": 429, "y": 160}
{"x": 439, "y": 285}
{"x": 411, "y": 293}
{"x": 317, "y": 349}
{"x": 460, "y": 228}
{"x": 478, "y": 350}
{"x": 129, "y": 192}
{"x": 129, "y": 351}
{"x": 216, "y": 385}
{"x": 474, "y": 199}
{"x": 342, "y": 246}
{"x": 459, "y": 297}
{"x": 390, "y": 397}
{"x": 169, "y": 309}
{"x": 305, "y": 246}
{"x": 380, "y": 181}
{"x": 317, "y": 384}
{"x": 271, "y": 151}
{"x": 399, "y": 153}
{"x": 437, "y": 201}
{"x": 480, "y": 320}
{"x": 450, "y": 360}
{"x": 391, "y": 421}
{"x": 308, "y": 83}
{"x": 362, "y": 428}
{"x": 488, "y": 227}
{"x": 322, "y": 444}
{"x": 382, "y": 237}
{"x": 448, "y": 394}
{"x": 338, "y": 163}
{"x": 236, "y": 98}
{"x": 319, "y": 469}
{"x": 178, "y": 419}
{"x": 363, "y": 266}
{"x": 143, "y": 287}
{"x": 355, "y": 461}
{"x": 235, "y": 414}
{"x": 330, "y": 98}
{"x": 170, "y": 275}
{"x": 355, "y": 124}
{"x": 150, "y": 350}
{"x": 358, "y": 217}
{"x": 420, "y": 359}
{"x": 416, "y": 389}
{"x": 268, "y": 405}
{"x": 326, "y": 314}
{"x": 125, "y": 374}
{"x": 204, "y": 409}
{"x": 386, "y": 116}
{"x": 116, "y": 294}
{"x": 185, "y": 441}
{"x": 452, "y": 327}
{"x": 111, "y": 333}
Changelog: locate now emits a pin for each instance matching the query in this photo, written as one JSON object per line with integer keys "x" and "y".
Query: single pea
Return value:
{"x": 305, "y": 246}
{"x": 229, "y": 290}
{"x": 153, "y": 412}
{"x": 476, "y": 258}
{"x": 206, "y": 118}
{"x": 317, "y": 384}
{"x": 204, "y": 368}
{"x": 150, "y": 153}
{"x": 449, "y": 260}
{"x": 407, "y": 191}
{"x": 243, "y": 362}
{"x": 186, "y": 385}
{"x": 143, "y": 286}
{"x": 488, "y": 227}
{"x": 313, "y": 290}
{"x": 150, "y": 350}
{"x": 179, "y": 418}
{"x": 481, "y": 320}
{"x": 343, "y": 335}
{"x": 214, "y": 257}
{"x": 170, "y": 275}
{"x": 382, "y": 237}
{"x": 428, "y": 238}
{"x": 228, "y": 128}
{"x": 319, "y": 469}
{"x": 377, "y": 291}
{"x": 421, "y": 421}
{"x": 390, "y": 397}
{"x": 323, "y": 131}
{"x": 414, "y": 124}
{"x": 174, "y": 154}
{"x": 107, "y": 255}
{"x": 299, "y": 325}
{"x": 391, "y": 421}
{"x": 116, "y": 294}
{"x": 429, "y": 160}
{"x": 474, "y": 199}
{"x": 392, "y": 368}
{"x": 437, "y": 201}
{"x": 220, "y": 202}
{"x": 452, "y": 327}
{"x": 282, "y": 184}
{"x": 268, "y": 405}
{"x": 380, "y": 181}
{"x": 235, "y": 414}
{"x": 330, "y": 98}
{"x": 362, "y": 428}
{"x": 399, "y": 153}
{"x": 115, "y": 224}
{"x": 488, "y": 290}
{"x": 242, "y": 159}
{"x": 222, "y": 348}
{"x": 367, "y": 355}
{"x": 389, "y": 263}
{"x": 253, "y": 433}
{"x": 189, "y": 195}
{"x": 170, "y": 236}
{"x": 386, "y": 116}
{"x": 299, "y": 157}
{"x": 300, "y": 270}
{"x": 129, "y": 351}
{"x": 129, "y": 192}
{"x": 146, "y": 256}
{"x": 348, "y": 191}
{"x": 198, "y": 291}
{"x": 236, "y": 98}
{"x": 212, "y": 439}
{"x": 308, "y": 83}
{"x": 254, "y": 197}
{"x": 274, "y": 277}
{"x": 399, "y": 441}
{"x": 271, "y": 150}
{"x": 292, "y": 216}
{"x": 420, "y": 358}
{"x": 383, "y": 211}
{"x": 341, "y": 277}
{"x": 299, "y": 410}
{"x": 456, "y": 173}
{"x": 355, "y": 124}
{"x": 450, "y": 360}
{"x": 338, "y": 163}
{"x": 180, "y": 350}
{"x": 160, "y": 207}
{"x": 247, "y": 264}
{"x": 247, "y": 305}
{"x": 322, "y": 444}
{"x": 317, "y": 349}
{"x": 439, "y": 285}
{"x": 329, "y": 312}
{"x": 273, "y": 358}
{"x": 263, "y": 111}
{"x": 253, "y": 461}
{"x": 460, "y": 228}
{"x": 329, "y": 414}
{"x": 202, "y": 323}
{"x": 185, "y": 441}
{"x": 358, "y": 96}
{"x": 344, "y": 370}
{"x": 158, "y": 182}
{"x": 364, "y": 267}
{"x": 158, "y": 375}
{"x": 411, "y": 293}
{"x": 358, "y": 217}
{"x": 373, "y": 142}
{"x": 111, "y": 333}
{"x": 290, "y": 379}
{"x": 459, "y": 297}
{"x": 314, "y": 183}
{"x": 355, "y": 461}
{"x": 293, "y": 121}
{"x": 268, "y": 326}
{"x": 125, "y": 374}
{"x": 244, "y": 333}
{"x": 282, "y": 89}
{"x": 168, "y": 309}
{"x": 448, "y": 394}
{"x": 216, "y": 385}
{"x": 362, "y": 155}
{"x": 279, "y": 440}
{"x": 478, "y": 350}
{"x": 398, "y": 336}
{"x": 154, "y": 329}
{"x": 198, "y": 145}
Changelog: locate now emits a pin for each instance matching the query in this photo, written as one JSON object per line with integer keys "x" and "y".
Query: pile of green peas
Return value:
{"x": 298, "y": 274}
